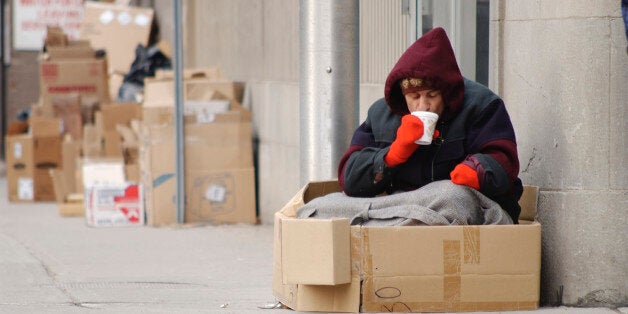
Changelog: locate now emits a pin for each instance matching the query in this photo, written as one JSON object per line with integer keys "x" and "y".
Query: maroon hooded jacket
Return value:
{"x": 475, "y": 129}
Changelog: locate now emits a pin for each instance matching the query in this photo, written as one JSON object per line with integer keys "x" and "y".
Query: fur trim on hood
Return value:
{"x": 430, "y": 58}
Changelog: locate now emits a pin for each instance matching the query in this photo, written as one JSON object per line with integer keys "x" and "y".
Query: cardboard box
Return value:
{"x": 110, "y": 200}
{"x": 69, "y": 204}
{"x": 118, "y": 29}
{"x": 29, "y": 160}
{"x": 221, "y": 196}
{"x": 20, "y": 167}
{"x": 132, "y": 173}
{"x": 157, "y": 175}
{"x": 110, "y": 205}
{"x": 67, "y": 209}
{"x": 415, "y": 269}
{"x": 64, "y": 182}
{"x": 92, "y": 144}
{"x": 45, "y": 126}
{"x": 119, "y": 113}
{"x": 67, "y": 107}
{"x": 79, "y": 49}
{"x": 219, "y": 171}
{"x": 116, "y": 128}
{"x": 87, "y": 77}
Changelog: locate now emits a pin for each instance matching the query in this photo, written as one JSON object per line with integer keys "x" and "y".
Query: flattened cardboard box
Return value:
{"x": 418, "y": 269}
{"x": 118, "y": 29}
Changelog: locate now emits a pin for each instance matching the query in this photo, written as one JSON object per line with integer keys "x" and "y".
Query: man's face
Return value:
{"x": 426, "y": 100}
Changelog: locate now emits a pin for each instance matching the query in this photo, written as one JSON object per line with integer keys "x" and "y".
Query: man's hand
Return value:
{"x": 410, "y": 130}
{"x": 465, "y": 175}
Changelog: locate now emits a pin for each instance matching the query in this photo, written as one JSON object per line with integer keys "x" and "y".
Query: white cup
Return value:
{"x": 429, "y": 125}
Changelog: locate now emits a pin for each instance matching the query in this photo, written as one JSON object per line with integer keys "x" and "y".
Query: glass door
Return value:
{"x": 467, "y": 25}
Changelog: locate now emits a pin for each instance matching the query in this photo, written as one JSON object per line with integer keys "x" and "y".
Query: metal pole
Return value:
{"x": 328, "y": 84}
{"x": 3, "y": 98}
{"x": 178, "y": 120}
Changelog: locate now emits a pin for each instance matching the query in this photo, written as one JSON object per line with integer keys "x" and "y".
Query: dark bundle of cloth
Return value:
{"x": 147, "y": 61}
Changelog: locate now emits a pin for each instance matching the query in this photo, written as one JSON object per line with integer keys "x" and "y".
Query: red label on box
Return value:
{"x": 49, "y": 71}
{"x": 72, "y": 88}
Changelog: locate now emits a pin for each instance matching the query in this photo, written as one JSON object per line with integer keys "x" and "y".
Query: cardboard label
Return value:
{"x": 17, "y": 150}
{"x": 142, "y": 20}
{"x": 25, "y": 189}
{"x": 103, "y": 173}
{"x": 106, "y": 17}
{"x": 216, "y": 193}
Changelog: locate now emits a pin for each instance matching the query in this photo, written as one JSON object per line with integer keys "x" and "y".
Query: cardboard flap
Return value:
{"x": 290, "y": 209}
{"x": 198, "y": 73}
{"x": 74, "y": 50}
{"x": 103, "y": 24}
{"x": 529, "y": 202}
{"x": 55, "y": 36}
{"x": 316, "y": 251}
{"x": 316, "y": 189}
{"x": 17, "y": 127}
{"x": 307, "y": 193}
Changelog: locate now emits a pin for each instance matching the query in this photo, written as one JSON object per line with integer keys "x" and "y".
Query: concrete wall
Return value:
{"x": 562, "y": 69}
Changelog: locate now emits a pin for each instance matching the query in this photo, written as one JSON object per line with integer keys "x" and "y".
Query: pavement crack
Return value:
{"x": 49, "y": 272}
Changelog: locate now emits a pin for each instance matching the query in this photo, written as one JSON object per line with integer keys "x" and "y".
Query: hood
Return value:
{"x": 430, "y": 58}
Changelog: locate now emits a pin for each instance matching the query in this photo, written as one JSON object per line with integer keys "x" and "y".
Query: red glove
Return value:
{"x": 410, "y": 130}
{"x": 465, "y": 175}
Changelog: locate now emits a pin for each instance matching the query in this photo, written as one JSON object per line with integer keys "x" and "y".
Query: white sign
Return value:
{"x": 25, "y": 189}
{"x": 30, "y": 18}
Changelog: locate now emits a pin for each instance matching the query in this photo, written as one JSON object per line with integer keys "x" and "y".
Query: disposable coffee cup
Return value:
{"x": 429, "y": 125}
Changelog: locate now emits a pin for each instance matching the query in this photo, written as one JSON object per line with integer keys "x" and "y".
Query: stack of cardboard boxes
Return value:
{"x": 90, "y": 153}
{"x": 220, "y": 185}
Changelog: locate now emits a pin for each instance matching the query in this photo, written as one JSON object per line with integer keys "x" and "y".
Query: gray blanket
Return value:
{"x": 438, "y": 203}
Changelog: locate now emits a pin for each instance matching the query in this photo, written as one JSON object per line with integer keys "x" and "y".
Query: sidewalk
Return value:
{"x": 54, "y": 264}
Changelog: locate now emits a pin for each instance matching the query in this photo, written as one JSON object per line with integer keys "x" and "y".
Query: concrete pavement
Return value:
{"x": 54, "y": 264}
